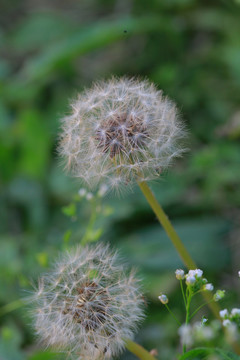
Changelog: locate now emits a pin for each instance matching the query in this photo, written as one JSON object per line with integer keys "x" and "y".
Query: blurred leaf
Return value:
{"x": 42, "y": 259}
{"x": 46, "y": 355}
{"x": 151, "y": 249}
{"x": 70, "y": 210}
{"x": 34, "y": 138}
{"x": 38, "y": 29}
{"x": 66, "y": 236}
{"x": 202, "y": 353}
{"x": 10, "y": 339}
{"x": 88, "y": 39}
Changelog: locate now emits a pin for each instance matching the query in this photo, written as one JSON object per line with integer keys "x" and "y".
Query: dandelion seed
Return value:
{"x": 120, "y": 131}
{"x": 92, "y": 308}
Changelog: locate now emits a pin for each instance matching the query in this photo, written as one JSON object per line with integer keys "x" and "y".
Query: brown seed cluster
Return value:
{"x": 121, "y": 133}
{"x": 91, "y": 306}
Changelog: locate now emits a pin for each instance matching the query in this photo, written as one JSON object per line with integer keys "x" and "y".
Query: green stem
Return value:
{"x": 166, "y": 224}
{"x": 138, "y": 350}
{"x": 172, "y": 314}
{"x": 184, "y": 298}
{"x": 90, "y": 225}
{"x": 188, "y": 302}
{"x": 194, "y": 313}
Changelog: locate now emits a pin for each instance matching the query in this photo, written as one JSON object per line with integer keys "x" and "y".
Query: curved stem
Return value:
{"x": 201, "y": 306}
{"x": 166, "y": 224}
{"x": 172, "y": 314}
{"x": 138, "y": 350}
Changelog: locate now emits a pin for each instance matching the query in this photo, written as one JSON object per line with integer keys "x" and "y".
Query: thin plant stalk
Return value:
{"x": 172, "y": 234}
{"x": 138, "y": 350}
{"x": 166, "y": 224}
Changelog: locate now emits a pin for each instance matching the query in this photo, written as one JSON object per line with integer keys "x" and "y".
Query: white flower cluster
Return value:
{"x": 120, "y": 131}
{"x": 228, "y": 318}
{"x": 88, "y": 304}
{"x": 198, "y": 332}
{"x": 231, "y": 321}
{"x": 194, "y": 278}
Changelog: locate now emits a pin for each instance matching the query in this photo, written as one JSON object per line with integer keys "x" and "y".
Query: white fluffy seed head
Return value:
{"x": 88, "y": 304}
{"x": 120, "y": 131}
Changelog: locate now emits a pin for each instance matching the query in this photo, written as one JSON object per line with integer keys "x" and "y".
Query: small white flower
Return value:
{"x": 197, "y": 273}
{"x": 103, "y": 189}
{"x": 209, "y": 287}
{"x": 89, "y": 196}
{"x": 202, "y": 332}
{"x": 186, "y": 334}
{"x": 82, "y": 192}
{"x": 190, "y": 280}
{"x": 219, "y": 295}
{"x": 223, "y": 313}
{"x": 180, "y": 274}
{"x": 235, "y": 311}
{"x": 204, "y": 320}
{"x": 163, "y": 298}
{"x": 226, "y": 322}
{"x": 239, "y": 274}
{"x": 232, "y": 332}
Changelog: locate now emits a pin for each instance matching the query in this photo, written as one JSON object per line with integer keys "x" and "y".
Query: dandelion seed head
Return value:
{"x": 92, "y": 307}
{"x": 121, "y": 128}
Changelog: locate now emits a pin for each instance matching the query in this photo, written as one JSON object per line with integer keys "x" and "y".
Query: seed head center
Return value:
{"x": 91, "y": 306}
{"x": 121, "y": 133}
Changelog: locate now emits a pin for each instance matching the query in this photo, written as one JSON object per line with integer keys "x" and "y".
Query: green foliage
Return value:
{"x": 203, "y": 353}
{"x": 190, "y": 49}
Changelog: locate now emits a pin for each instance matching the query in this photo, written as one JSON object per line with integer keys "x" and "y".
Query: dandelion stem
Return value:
{"x": 166, "y": 224}
{"x": 138, "y": 350}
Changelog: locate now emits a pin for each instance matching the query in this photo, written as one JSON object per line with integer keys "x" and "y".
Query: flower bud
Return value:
{"x": 223, "y": 313}
{"x": 208, "y": 287}
{"x": 219, "y": 295}
{"x": 180, "y": 274}
{"x": 163, "y": 298}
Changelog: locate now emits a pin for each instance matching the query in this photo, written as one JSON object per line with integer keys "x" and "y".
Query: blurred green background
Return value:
{"x": 50, "y": 50}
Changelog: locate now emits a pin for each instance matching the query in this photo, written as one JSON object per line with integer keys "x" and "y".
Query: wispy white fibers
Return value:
{"x": 88, "y": 304}
{"x": 120, "y": 131}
